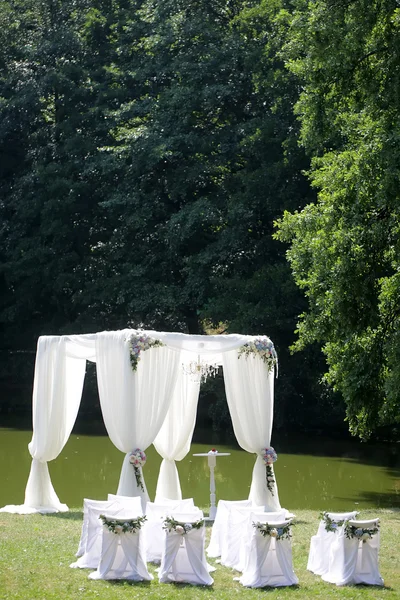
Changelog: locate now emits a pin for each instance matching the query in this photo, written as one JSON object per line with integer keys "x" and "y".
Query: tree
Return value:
{"x": 158, "y": 147}
{"x": 344, "y": 248}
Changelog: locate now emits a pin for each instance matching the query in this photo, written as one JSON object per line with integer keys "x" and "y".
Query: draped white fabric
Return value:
{"x": 56, "y": 397}
{"x": 269, "y": 562}
{"x": 134, "y": 405}
{"x": 153, "y": 531}
{"x": 220, "y": 525}
{"x": 354, "y": 561}
{"x": 183, "y": 558}
{"x": 320, "y": 544}
{"x": 235, "y": 535}
{"x": 122, "y": 557}
{"x": 175, "y": 436}
{"x": 249, "y": 390}
{"x": 210, "y": 346}
{"x": 89, "y": 548}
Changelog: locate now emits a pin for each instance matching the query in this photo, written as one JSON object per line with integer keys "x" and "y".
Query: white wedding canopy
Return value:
{"x": 154, "y": 404}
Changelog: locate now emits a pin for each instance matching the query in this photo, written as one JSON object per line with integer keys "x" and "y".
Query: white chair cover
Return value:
{"x": 353, "y": 560}
{"x": 89, "y": 549}
{"x": 320, "y": 545}
{"x": 220, "y": 523}
{"x": 269, "y": 561}
{"x": 91, "y": 528}
{"x": 235, "y": 534}
{"x": 183, "y": 557}
{"x": 133, "y": 504}
{"x": 122, "y": 556}
{"x": 258, "y": 517}
{"x": 153, "y": 531}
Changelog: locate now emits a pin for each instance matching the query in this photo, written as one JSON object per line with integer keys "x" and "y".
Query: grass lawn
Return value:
{"x": 36, "y": 550}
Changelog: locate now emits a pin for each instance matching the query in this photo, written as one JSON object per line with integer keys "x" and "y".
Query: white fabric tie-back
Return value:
{"x": 134, "y": 404}
{"x": 250, "y": 394}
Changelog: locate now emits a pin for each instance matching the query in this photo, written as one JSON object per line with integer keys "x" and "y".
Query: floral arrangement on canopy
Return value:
{"x": 269, "y": 456}
{"x": 279, "y": 533}
{"x": 138, "y": 458}
{"x": 119, "y": 526}
{"x": 362, "y": 533}
{"x": 170, "y": 524}
{"x": 262, "y": 347}
{"x": 139, "y": 343}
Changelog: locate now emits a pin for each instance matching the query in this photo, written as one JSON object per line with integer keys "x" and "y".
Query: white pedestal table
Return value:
{"x": 212, "y": 462}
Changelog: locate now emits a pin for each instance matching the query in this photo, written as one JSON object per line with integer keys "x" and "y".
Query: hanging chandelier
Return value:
{"x": 198, "y": 370}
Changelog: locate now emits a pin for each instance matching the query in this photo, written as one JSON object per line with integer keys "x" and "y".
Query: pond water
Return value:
{"x": 312, "y": 473}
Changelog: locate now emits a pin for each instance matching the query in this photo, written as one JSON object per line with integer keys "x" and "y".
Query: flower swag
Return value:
{"x": 138, "y": 458}
{"x": 139, "y": 343}
{"x": 362, "y": 533}
{"x": 262, "y": 347}
{"x": 269, "y": 456}
{"x": 280, "y": 533}
{"x": 170, "y": 524}
{"x": 330, "y": 524}
{"x": 119, "y": 526}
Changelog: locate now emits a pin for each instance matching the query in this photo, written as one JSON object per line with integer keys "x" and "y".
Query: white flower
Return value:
{"x": 273, "y": 533}
{"x": 180, "y": 529}
{"x": 188, "y": 526}
{"x": 119, "y": 529}
{"x": 365, "y": 536}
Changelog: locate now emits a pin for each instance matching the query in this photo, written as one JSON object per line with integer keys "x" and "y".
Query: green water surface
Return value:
{"x": 312, "y": 473}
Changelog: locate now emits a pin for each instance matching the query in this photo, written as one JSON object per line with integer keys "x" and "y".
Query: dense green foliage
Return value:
{"x": 146, "y": 150}
{"x": 345, "y": 247}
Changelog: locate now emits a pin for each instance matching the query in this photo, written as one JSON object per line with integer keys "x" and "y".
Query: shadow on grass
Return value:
{"x": 271, "y": 589}
{"x": 71, "y": 515}
{"x": 376, "y": 499}
{"x": 127, "y": 582}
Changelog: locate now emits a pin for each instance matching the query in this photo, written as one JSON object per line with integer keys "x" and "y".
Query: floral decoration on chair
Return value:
{"x": 170, "y": 524}
{"x": 279, "y": 533}
{"x": 140, "y": 343}
{"x": 119, "y": 526}
{"x": 138, "y": 458}
{"x": 330, "y": 524}
{"x": 269, "y": 456}
{"x": 362, "y": 533}
{"x": 262, "y": 347}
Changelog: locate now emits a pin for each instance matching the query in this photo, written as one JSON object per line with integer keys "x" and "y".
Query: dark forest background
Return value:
{"x": 154, "y": 158}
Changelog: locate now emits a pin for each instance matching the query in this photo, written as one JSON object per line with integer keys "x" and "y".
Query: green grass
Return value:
{"x": 36, "y": 550}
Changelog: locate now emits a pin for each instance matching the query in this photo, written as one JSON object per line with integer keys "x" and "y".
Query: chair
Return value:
{"x": 258, "y": 517}
{"x": 354, "y": 554}
{"x": 132, "y": 504}
{"x": 89, "y": 549}
{"x": 153, "y": 532}
{"x": 90, "y": 541}
{"x": 269, "y": 560}
{"x": 183, "y": 557}
{"x": 122, "y": 550}
{"x": 328, "y": 529}
{"x": 235, "y": 533}
{"x": 220, "y": 523}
